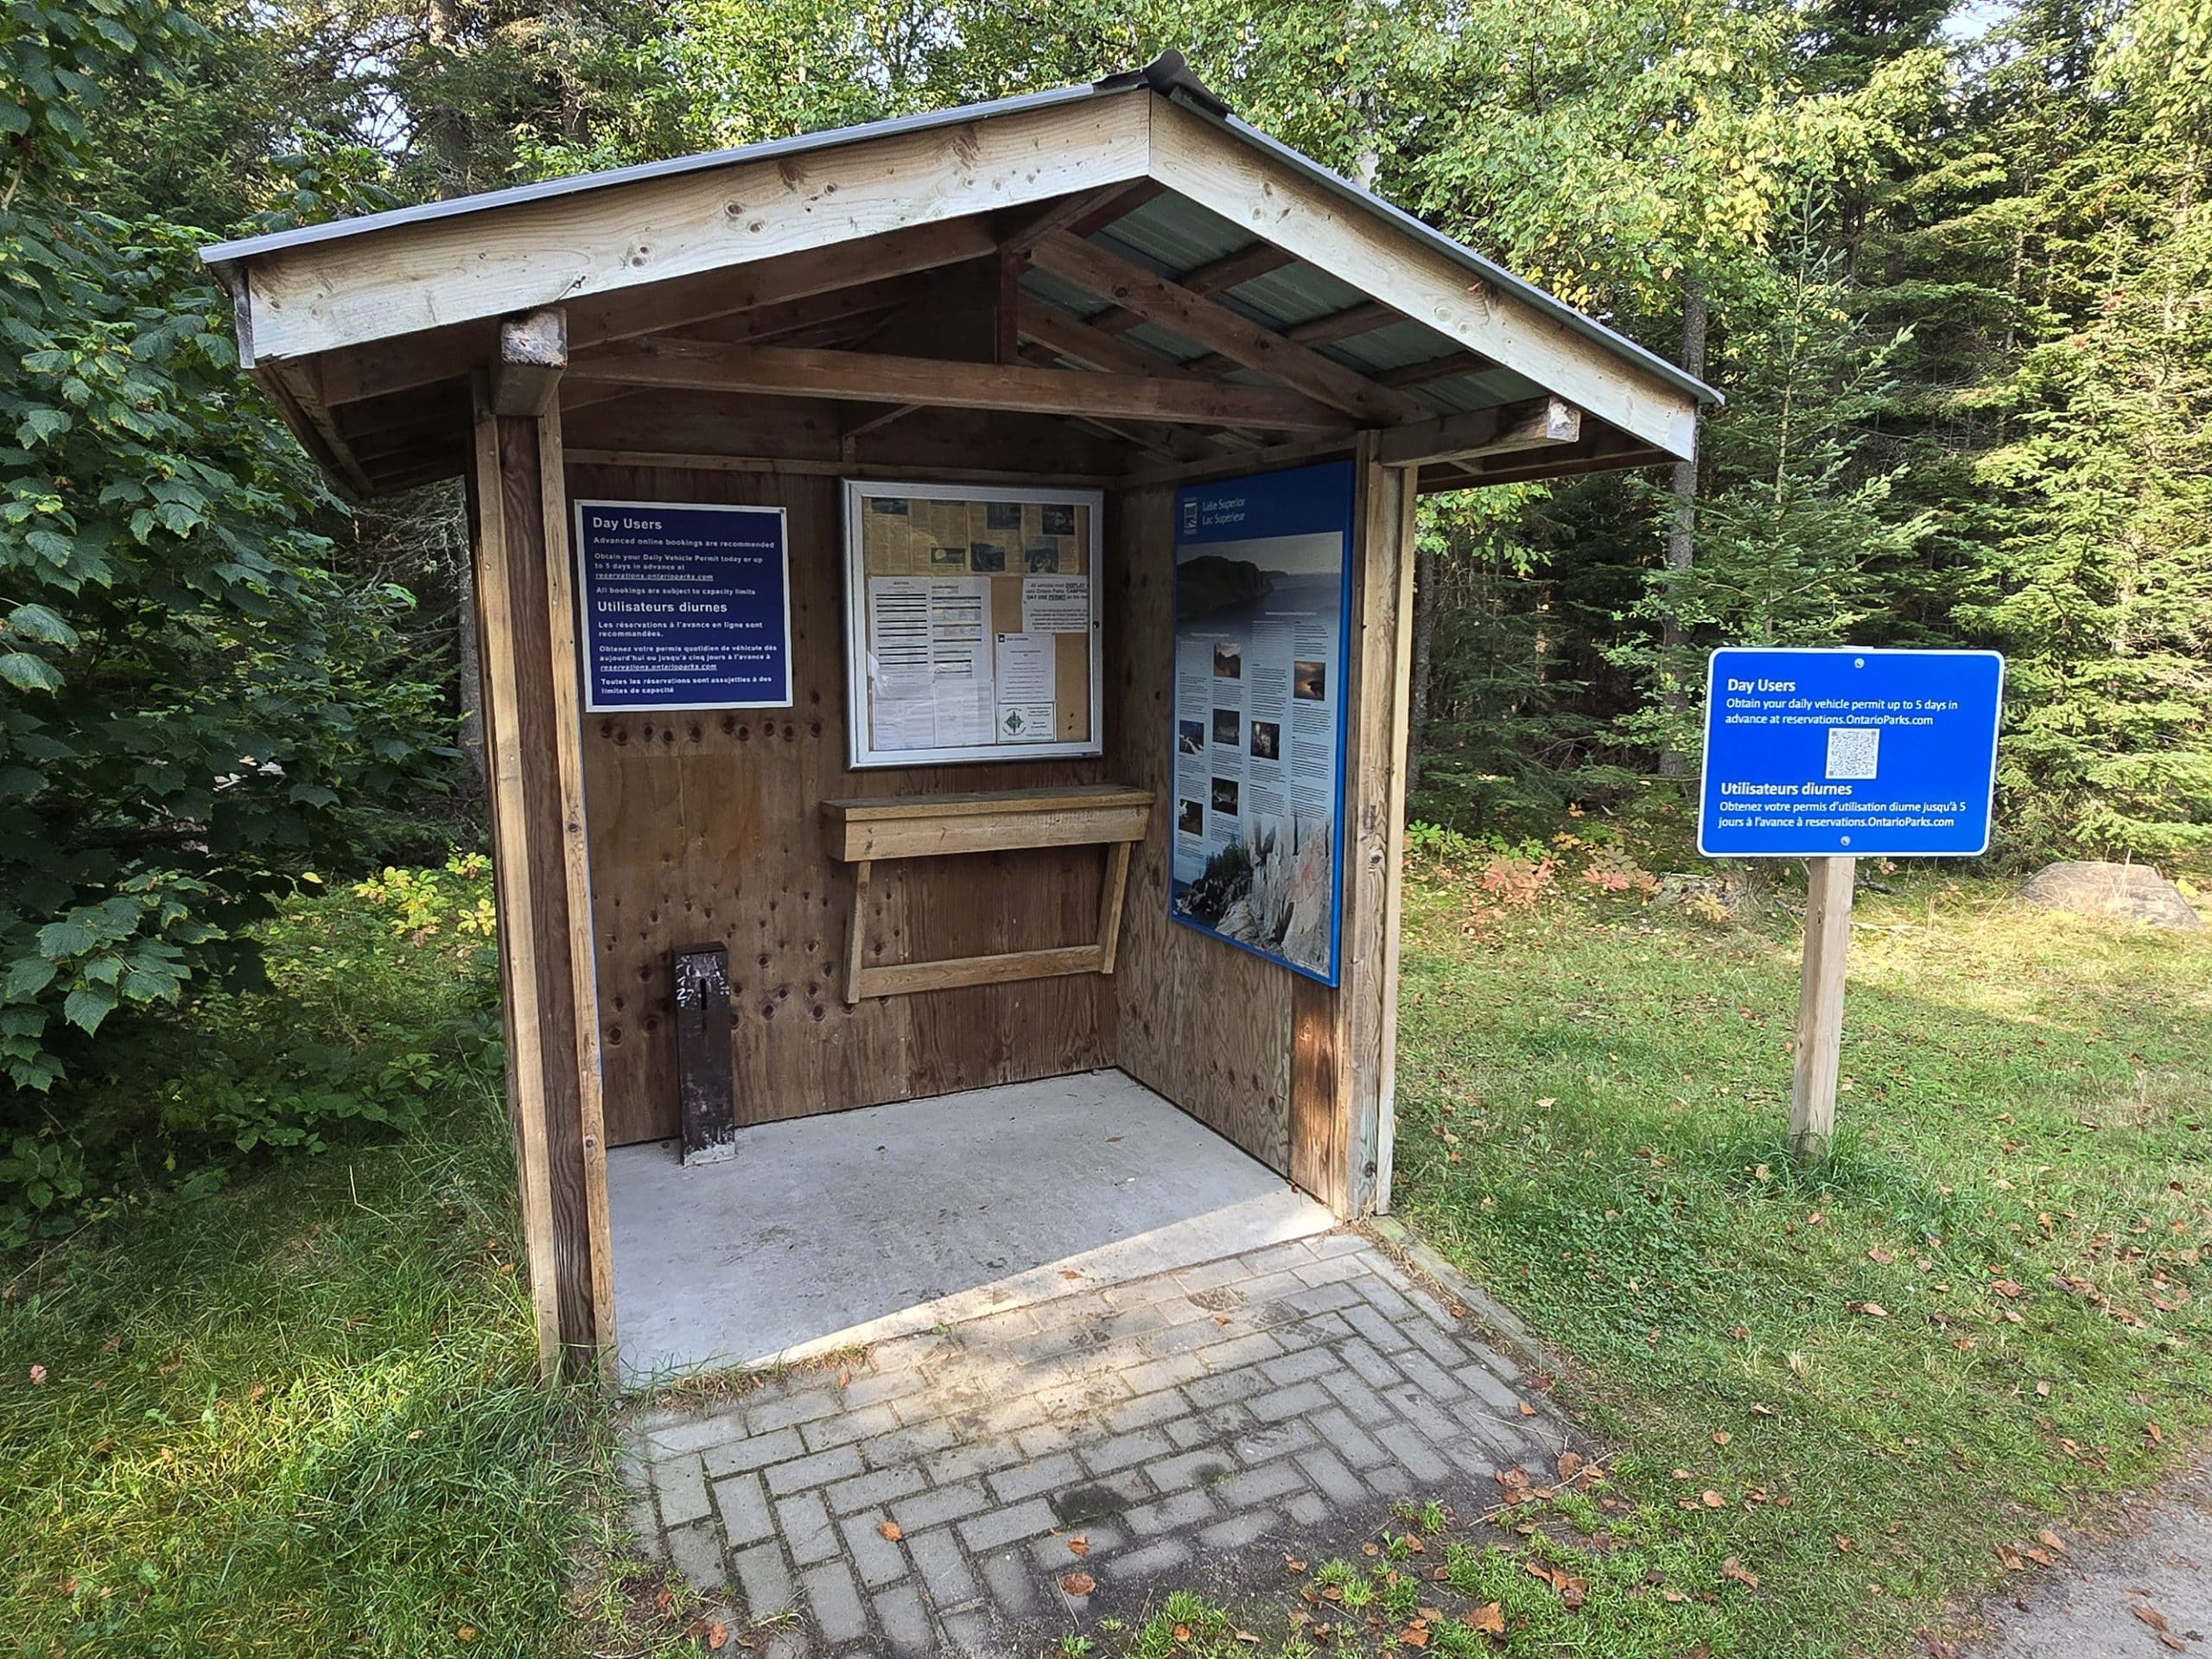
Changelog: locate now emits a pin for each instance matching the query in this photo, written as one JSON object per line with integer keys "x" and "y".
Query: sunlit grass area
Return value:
{"x": 1833, "y": 1405}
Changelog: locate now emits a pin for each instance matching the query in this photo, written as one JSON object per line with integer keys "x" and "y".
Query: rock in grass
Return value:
{"x": 2126, "y": 892}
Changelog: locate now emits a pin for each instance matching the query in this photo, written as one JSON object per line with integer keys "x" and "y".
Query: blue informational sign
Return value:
{"x": 683, "y": 606}
{"x": 1820, "y": 753}
{"x": 1263, "y": 610}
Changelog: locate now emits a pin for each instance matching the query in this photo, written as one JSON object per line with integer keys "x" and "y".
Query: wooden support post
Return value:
{"x": 704, "y": 1087}
{"x": 1820, "y": 1004}
{"x": 1343, "y": 1039}
{"x": 533, "y": 732}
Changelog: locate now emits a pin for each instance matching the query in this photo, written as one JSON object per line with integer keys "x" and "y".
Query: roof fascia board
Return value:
{"x": 521, "y": 249}
{"x": 1279, "y": 195}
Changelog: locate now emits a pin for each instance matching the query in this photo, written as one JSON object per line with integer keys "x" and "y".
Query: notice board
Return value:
{"x": 1849, "y": 751}
{"x": 683, "y": 605}
{"x": 972, "y": 623}
{"x": 1263, "y": 610}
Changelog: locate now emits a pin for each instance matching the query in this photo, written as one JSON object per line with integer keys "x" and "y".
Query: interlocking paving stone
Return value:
{"x": 1188, "y": 1420}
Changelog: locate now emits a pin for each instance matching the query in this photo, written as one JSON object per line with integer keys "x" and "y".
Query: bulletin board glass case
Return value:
{"x": 972, "y": 623}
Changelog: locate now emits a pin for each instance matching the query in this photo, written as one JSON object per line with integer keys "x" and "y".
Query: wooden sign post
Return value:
{"x": 1832, "y": 756}
{"x": 1819, "y": 1005}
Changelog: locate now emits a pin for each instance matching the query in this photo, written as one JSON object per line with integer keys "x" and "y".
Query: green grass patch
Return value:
{"x": 1966, "y": 1323}
{"x": 302, "y": 1414}
{"x": 1826, "y": 1396}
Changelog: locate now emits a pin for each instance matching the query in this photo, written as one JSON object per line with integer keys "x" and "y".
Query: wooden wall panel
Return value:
{"x": 1205, "y": 1023}
{"x": 704, "y": 829}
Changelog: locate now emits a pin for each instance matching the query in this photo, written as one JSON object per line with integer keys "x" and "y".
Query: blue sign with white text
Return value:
{"x": 683, "y": 606}
{"x": 1824, "y": 753}
{"x": 1263, "y": 614}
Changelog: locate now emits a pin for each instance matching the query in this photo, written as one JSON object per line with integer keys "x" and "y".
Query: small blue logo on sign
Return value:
{"x": 1822, "y": 754}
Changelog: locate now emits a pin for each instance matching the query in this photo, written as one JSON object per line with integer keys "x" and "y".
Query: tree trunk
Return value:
{"x": 1682, "y": 530}
{"x": 1424, "y": 630}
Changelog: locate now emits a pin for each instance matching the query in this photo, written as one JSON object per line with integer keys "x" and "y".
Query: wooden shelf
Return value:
{"x": 861, "y": 831}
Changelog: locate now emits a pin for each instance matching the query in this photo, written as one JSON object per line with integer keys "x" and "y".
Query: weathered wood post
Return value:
{"x": 1819, "y": 1005}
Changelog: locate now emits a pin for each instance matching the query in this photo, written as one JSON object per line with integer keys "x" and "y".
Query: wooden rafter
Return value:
{"x": 1454, "y": 367}
{"x": 1538, "y": 423}
{"x": 1193, "y": 316}
{"x": 1158, "y": 439}
{"x": 1079, "y": 341}
{"x": 881, "y": 379}
{"x": 1079, "y": 214}
{"x": 1234, "y": 270}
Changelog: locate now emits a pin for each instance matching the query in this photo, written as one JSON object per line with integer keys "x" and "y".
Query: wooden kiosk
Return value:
{"x": 1118, "y": 288}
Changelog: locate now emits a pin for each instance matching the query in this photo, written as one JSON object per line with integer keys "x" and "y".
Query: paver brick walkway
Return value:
{"x": 936, "y": 1498}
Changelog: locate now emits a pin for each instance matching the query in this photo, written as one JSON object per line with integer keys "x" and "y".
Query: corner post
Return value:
{"x": 533, "y": 743}
{"x": 1344, "y": 1041}
{"x": 1819, "y": 1005}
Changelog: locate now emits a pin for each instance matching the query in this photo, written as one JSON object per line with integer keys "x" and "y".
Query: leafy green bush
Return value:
{"x": 380, "y": 999}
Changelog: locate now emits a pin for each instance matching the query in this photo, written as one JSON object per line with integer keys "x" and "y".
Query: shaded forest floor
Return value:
{"x": 301, "y": 1415}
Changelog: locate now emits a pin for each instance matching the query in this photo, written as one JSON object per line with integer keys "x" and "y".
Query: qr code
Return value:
{"x": 1851, "y": 750}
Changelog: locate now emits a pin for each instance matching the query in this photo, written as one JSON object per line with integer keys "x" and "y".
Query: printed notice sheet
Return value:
{"x": 972, "y": 628}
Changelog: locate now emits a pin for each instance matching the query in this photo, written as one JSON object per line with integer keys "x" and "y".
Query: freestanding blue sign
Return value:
{"x": 1846, "y": 753}
{"x": 684, "y": 606}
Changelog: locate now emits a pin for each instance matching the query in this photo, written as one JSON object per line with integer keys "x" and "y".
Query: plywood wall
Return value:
{"x": 704, "y": 828}
{"x": 1205, "y": 1023}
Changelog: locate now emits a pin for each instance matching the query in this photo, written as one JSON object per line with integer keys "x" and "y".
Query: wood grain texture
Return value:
{"x": 1345, "y": 1037}
{"x": 1205, "y": 1023}
{"x": 704, "y": 828}
{"x": 1828, "y": 887}
{"x": 529, "y": 675}
{"x": 1262, "y": 195}
{"x": 579, "y": 246}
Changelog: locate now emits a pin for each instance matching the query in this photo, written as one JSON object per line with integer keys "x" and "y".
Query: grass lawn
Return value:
{"x": 302, "y": 1416}
{"x": 1868, "y": 1387}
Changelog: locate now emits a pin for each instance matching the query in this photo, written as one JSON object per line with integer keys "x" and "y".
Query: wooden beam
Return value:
{"x": 785, "y": 467}
{"x": 583, "y": 247}
{"x": 1193, "y": 157}
{"x": 1080, "y": 213}
{"x": 1362, "y": 319}
{"x": 854, "y": 268}
{"x": 1603, "y": 450}
{"x": 877, "y": 379}
{"x": 1173, "y": 307}
{"x": 526, "y": 374}
{"x": 1538, "y": 424}
{"x": 1076, "y": 340}
{"x": 1454, "y": 367}
{"x": 1233, "y": 270}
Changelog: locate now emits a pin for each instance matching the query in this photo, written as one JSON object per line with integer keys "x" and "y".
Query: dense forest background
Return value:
{"x": 1952, "y": 270}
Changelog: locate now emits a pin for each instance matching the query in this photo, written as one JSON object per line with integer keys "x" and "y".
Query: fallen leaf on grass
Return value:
{"x": 1721, "y": 1437}
{"x": 1414, "y": 1635}
{"x": 1712, "y": 1500}
{"x": 2010, "y": 1559}
{"x": 38, "y": 1375}
{"x": 2151, "y": 1432}
{"x": 1871, "y": 1310}
{"x": 1181, "y": 1632}
{"x": 1489, "y": 1619}
{"x": 1570, "y": 1465}
{"x": 1843, "y": 1545}
{"x": 1078, "y": 1584}
{"x": 1758, "y": 1410}
{"x": 1877, "y": 1253}
{"x": 891, "y": 1531}
{"x": 2052, "y": 1541}
{"x": 1733, "y": 1568}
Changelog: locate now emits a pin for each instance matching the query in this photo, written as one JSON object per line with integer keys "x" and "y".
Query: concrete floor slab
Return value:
{"x": 854, "y": 1227}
